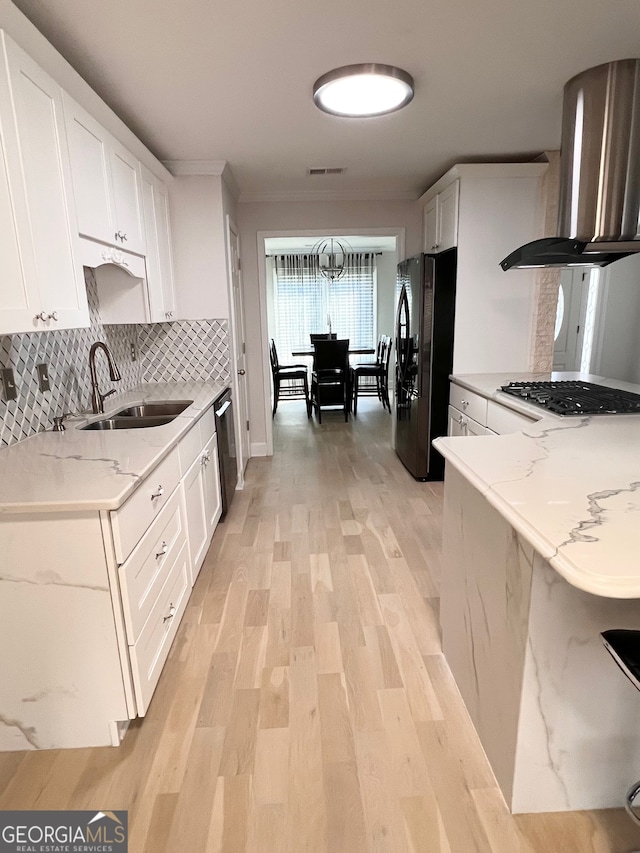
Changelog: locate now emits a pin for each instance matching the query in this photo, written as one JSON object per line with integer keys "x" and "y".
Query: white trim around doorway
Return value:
{"x": 398, "y": 233}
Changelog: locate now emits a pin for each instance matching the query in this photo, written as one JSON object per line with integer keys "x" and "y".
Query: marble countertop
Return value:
{"x": 569, "y": 485}
{"x": 95, "y": 470}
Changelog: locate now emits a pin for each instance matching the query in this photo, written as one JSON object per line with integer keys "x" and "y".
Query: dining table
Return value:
{"x": 355, "y": 351}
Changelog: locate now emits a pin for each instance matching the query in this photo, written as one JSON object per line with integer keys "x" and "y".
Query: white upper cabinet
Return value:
{"x": 155, "y": 201}
{"x": 127, "y": 200}
{"x": 448, "y": 217}
{"x": 431, "y": 225}
{"x": 440, "y": 219}
{"x": 89, "y": 154}
{"x": 43, "y": 283}
{"x": 106, "y": 182}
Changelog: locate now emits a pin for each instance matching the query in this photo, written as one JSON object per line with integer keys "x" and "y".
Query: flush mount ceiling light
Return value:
{"x": 367, "y": 89}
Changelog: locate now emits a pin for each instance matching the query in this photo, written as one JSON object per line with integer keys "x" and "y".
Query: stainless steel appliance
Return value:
{"x": 599, "y": 208}
{"x": 424, "y": 358}
{"x": 574, "y": 397}
{"x": 223, "y": 409}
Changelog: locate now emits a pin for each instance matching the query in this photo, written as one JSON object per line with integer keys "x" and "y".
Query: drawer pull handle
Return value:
{"x": 158, "y": 494}
{"x": 163, "y": 550}
{"x": 172, "y": 613}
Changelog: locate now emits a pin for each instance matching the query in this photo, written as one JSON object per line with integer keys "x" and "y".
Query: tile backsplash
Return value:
{"x": 188, "y": 349}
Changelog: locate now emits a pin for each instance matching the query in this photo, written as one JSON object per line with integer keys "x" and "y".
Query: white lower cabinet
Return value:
{"x": 203, "y": 503}
{"x": 92, "y": 601}
{"x": 151, "y": 649}
{"x": 461, "y": 424}
{"x": 473, "y": 414}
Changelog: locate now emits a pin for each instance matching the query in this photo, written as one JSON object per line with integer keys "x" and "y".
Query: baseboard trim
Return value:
{"x": 259, "y": 448}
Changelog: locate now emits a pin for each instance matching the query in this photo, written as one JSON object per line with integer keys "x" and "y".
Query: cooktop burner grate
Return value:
{"x": 575, "y": 397}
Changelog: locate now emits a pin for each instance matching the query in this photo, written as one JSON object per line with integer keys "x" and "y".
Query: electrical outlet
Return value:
{"x": 134, "y": 356}
{"x": 43, "y": 377}
{"x": 8, "y": 384}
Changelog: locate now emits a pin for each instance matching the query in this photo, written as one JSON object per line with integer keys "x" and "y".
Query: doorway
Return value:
{"x": 388, "y": 246}
{"x": 238, "y": 343}
{"x": 578, "y": 318}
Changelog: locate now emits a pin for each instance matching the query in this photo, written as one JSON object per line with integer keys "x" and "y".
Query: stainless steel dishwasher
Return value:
{"x": 223, "y": 408}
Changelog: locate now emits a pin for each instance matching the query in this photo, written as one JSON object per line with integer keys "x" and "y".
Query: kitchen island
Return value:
{"x": 541, "y": 553}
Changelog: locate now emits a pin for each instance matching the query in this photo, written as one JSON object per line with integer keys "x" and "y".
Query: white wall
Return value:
{"x": 620, "y": 313}
{"x": 386, "y": 266}
{"x": 294, "y": 217}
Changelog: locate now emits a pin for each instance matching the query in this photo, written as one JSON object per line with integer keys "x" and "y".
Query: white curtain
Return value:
{"x": 305, "y": 302}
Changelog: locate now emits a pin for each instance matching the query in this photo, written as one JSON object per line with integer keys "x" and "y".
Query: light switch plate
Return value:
{"x": 43, "y": 377}
{"x": 8, "y": 384}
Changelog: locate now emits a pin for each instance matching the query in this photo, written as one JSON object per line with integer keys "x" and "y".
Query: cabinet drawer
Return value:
{"x": 207, "y": 424}
{"x": 192, "y": 444}
{"x": 150, "y": 652}
{"x": 189, "y": 448}
{"x": 132, "y": 519}
{"x": 461, "y": 424}
{"x": 469, "y": 403}
{"x": 146, "y": 570}
{"x": 503, "y": 420}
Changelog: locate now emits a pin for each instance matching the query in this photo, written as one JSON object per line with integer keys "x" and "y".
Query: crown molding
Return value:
{"x": 327, "y": 195}
{"x": 217, "y": 168}
{"x": 195, "y": 167}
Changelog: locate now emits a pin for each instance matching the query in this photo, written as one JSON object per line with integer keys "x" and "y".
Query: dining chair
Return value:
{"x": 295, "y": 377}
{"x": 330, "y": 386}
{"x": 322, "y": 336}
{"x": 377, "y": 371}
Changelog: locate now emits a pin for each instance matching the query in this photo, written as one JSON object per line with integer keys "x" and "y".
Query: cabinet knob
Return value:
{"x": 241, "y": 372}
{"x": 464, "y": 403}
{"x": 206, "y": 458}
{"x": 168, "y": 314}
{"x": 42, "y": 316}
{"x": 54, "y": 316}
{"x": 124, "y": 237}
{"x": 158, "y": 493}
{"x": 433, "y": 248}
{"x": 163, "y": 550}
{"x": 170, "y": 615}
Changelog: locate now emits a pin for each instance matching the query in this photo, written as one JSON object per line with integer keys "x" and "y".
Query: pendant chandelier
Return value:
{"x": 332, "y": 257}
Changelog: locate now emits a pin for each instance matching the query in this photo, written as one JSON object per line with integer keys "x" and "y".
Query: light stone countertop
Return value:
{"x": 570, "y": 485}
{"x": 78, "y": 470}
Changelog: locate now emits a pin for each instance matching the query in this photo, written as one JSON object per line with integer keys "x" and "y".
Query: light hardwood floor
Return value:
{"x": 306, "y": 705}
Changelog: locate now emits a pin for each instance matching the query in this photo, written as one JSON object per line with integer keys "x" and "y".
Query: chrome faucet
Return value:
{"x": 97, "y": 399}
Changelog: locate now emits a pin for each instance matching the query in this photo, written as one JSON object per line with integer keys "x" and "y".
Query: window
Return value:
{"x": 307, "y": 302}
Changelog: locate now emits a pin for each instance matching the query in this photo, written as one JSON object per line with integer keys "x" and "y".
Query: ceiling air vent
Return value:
{"x": 327, "y": 171}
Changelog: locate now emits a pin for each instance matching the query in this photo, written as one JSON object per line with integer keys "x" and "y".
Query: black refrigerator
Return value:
{"x": 426, "y": 290}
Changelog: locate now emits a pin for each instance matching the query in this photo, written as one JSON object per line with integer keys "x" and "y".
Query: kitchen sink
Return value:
{"x": 129, "y": 422}
{"x": 155, "y": 409}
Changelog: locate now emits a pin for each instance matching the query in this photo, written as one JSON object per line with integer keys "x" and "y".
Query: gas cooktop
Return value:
{"x": 575, "y": 397}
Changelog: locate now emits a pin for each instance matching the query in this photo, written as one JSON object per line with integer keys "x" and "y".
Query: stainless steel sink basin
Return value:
{"x": 158, "y": 408}
{"x": 129, "y": 422}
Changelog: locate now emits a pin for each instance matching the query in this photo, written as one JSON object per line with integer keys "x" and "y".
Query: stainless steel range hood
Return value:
{"x": 599, "y": 207}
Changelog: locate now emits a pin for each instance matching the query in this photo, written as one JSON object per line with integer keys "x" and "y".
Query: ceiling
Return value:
{"x": 204, "y": 80}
